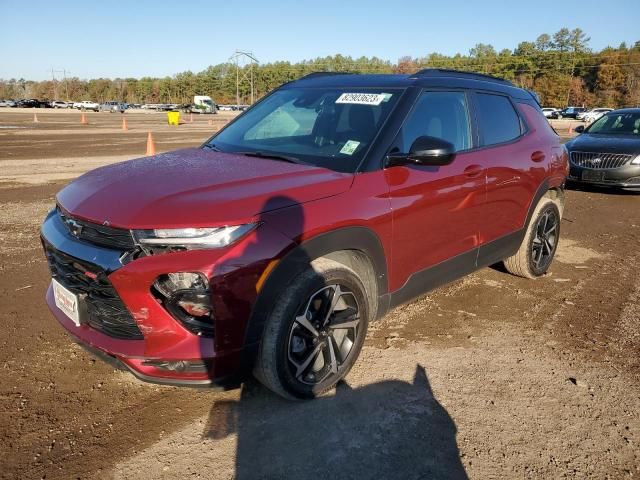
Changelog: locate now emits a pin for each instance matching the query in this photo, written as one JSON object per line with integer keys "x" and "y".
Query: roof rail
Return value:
{"x": 324, "y": 74}
{"x": 444, "y": 72}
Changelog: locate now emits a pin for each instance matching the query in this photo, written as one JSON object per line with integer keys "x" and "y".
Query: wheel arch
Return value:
{"x": 358, "y": 248}
{"x": 555, "y": 193}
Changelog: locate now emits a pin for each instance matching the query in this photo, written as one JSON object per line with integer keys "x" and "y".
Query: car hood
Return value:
{"x": 629, "y": 144}
{"x": 195, "y": 187}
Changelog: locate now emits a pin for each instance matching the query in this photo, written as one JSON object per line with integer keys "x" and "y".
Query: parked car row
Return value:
{"x": 111, "y": 106}
{"x": 578, "y": 113}
{"x": 569, "y": 112}
{"x": 25, "y": 103}
{"x": 202, "y": 104}
{"x": 593, "y": 114}
{"x": 234, "y": 108}
{"x": 182, "y": 107}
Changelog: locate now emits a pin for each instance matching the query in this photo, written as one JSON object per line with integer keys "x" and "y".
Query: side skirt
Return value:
{"x": 459, "y": 266}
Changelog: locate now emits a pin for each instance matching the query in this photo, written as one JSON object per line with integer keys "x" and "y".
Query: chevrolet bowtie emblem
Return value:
{"x": 74, "y": 227}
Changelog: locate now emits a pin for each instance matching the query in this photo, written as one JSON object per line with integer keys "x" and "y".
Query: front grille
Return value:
{"x": 600, "y": 160}
{"x": 105, "y": 311}
{"x": 102, "y": 235}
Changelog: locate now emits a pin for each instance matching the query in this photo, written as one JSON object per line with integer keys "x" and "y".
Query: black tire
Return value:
{"x": 287, "y": 341}
{"x": 540, "y": 242}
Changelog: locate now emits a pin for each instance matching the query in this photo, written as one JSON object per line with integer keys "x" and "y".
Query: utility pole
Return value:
{"x": 53, "y": 79}
{"x": 66, "y": 86}
{"x": 573, "y": 66}
{"x": 237, "y": 85}
{"x": 247, "y": 56}
{"x": 55, "y": 88}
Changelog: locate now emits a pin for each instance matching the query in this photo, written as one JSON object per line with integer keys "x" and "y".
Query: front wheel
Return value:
{"x": 540, "y": 242}
{"x": 315, "y": 331}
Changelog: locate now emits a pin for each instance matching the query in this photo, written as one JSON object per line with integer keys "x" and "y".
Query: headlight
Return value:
{"x": 191, "y": 238}
{"x": 636, "y": 161}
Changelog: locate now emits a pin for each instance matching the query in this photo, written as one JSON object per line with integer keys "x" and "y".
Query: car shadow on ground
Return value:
{"x": 389, "y": 429}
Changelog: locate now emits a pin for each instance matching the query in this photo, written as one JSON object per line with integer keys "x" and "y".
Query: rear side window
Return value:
{"x": 497, "y": 119}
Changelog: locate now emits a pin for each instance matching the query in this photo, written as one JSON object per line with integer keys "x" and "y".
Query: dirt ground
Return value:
{"x": 492, "y": 376}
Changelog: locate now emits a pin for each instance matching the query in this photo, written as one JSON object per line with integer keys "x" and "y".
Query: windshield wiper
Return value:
{"x": 211, "y": 146}
{"x": 272, "y": 156}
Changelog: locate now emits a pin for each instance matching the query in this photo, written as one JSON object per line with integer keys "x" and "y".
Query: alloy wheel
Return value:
{"x": 545, "y": 239}
{"x": 323, "y": 334}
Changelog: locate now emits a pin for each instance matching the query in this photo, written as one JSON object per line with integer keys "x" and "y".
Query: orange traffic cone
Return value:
{"x": 84, "y": 120}
{"x": 124, "y": 124}
{"x": 35, "y": 118}
{"x": 151, "y": 148}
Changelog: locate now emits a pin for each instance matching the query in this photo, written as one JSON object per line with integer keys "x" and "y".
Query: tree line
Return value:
{"x": 561, "y": 68}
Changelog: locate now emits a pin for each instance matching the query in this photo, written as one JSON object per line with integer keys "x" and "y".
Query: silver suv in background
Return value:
{"x": 60, "y": 104}
{"x": 594, "y": 114}
{"x": 112, "y": 107}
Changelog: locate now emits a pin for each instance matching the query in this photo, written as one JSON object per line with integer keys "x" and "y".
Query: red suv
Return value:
{"x": 270, "y": 248}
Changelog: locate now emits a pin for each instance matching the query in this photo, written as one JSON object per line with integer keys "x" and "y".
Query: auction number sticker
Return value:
{"x": 364, "y": 98}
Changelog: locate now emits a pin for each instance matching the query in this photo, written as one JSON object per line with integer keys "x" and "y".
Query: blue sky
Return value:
{"x": 118, "y": 38}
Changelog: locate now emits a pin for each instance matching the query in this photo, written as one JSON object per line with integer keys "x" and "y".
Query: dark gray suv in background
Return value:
{"x": 607, "y": 152}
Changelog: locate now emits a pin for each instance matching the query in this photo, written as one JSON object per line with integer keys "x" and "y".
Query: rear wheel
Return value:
{"x": 315, "y": 331}
{"x": 540, "y": 242}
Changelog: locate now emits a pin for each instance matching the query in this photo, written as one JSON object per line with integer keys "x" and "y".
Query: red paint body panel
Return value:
{"x": 193, "y": 188}
{"x": 436, "y": 213}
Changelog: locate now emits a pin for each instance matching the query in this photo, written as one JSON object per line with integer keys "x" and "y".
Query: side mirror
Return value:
{"x": 579, "y": 129}
{"x": 425, "y": 150}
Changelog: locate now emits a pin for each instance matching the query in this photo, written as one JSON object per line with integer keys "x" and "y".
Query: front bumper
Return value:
{"x": 166, "y": 351}
{"x": 627, "y": 177}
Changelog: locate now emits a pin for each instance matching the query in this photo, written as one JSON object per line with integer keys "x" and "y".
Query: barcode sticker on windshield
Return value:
{"x": 363, "y": 98}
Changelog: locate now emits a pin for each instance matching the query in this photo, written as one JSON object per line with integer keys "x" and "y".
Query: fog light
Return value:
{"x": 187, "y": 298}
{"x": 195, "y": 366}
{"x": 196, "y": 304}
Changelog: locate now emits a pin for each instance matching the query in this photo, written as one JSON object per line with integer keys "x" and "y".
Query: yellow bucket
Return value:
{"x": 173, "y": 118}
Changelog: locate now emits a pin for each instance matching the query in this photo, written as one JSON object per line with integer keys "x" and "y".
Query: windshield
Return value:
{"x": 331, "y": 128}
{"x": 617, "y": 124}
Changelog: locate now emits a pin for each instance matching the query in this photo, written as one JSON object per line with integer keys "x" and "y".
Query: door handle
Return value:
{"x": 537, "y": 156}
{"x": 473, "y": 171}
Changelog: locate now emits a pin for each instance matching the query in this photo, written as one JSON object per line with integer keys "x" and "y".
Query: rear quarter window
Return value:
{"x": 497, "y": 119}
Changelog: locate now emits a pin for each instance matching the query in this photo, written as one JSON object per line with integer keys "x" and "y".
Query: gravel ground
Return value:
{"x": 492, "y": 376}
